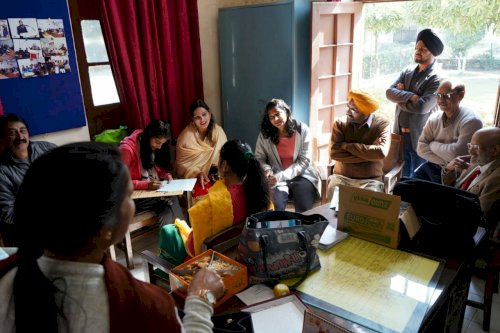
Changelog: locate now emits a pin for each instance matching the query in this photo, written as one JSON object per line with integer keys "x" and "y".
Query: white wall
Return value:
{"x": 208, "y": 13}
{"x": 63, "y": 137}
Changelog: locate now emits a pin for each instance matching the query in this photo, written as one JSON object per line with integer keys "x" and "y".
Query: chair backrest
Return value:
{"x": 226, "y": 241}
{"x": 395, "y": 154}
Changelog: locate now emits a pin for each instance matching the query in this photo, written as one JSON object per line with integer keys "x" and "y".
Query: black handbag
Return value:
{"x": 238, "y": 322}
{"x": 279, "y": 245}
{"x": 450, "y": 216}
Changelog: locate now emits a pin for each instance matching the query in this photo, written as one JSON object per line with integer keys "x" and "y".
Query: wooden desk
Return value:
{"x": 446, "y": 312}
{"x": 139, "y": 221}
{"x": 143, "y": 194}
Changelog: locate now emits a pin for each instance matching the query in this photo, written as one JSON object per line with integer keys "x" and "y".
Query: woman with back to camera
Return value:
{"x": 61, "y": 280}
{"x": 242, "y": 190}
{"x": 284, "y": 148}
{"x": 198, "y": 147}
{"x": 140, "y": 152}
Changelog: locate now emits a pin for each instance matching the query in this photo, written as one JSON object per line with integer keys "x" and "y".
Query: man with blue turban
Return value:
{"x": 359, "y": 143}
{"x": 413, "y": 92}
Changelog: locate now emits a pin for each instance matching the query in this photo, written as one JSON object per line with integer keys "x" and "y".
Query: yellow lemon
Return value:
{"x": 281, "y": 290}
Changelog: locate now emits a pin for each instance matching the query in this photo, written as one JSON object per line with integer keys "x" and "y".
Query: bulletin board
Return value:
{"x": 48, "y": 103}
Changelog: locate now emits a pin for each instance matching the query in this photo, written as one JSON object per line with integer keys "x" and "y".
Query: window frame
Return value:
{"x": 99, "y": 117}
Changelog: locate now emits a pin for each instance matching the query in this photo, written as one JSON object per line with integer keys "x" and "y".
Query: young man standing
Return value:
{"x": 413, "y": 92}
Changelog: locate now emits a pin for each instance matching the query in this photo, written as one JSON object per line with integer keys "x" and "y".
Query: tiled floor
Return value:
{"x": 146, "y": 241}
{"x": 473, "y": 317}
{"x": 473, "y": 322}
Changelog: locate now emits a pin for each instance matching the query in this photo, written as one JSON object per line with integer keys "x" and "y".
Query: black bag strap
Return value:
{"x": 301, "y": 235}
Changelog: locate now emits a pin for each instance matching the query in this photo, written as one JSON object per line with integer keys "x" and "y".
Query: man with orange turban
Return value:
{"x": 359, "y": 143}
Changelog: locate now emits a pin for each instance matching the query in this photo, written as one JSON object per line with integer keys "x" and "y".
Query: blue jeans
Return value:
{"x": 411, "y": 158}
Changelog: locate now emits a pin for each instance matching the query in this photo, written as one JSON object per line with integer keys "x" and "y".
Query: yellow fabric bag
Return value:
{"x": 211, "y": 215}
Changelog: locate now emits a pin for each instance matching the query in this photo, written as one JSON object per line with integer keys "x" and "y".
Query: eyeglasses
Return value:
{"x": 350, "y": 108}
{"x": 470, "y": 146}
{"x": 445, "y": 96}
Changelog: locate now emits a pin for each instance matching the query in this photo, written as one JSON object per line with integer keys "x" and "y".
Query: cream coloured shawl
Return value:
{"x": 194, "y": 155}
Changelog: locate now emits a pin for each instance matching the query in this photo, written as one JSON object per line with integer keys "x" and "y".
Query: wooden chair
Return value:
{"x": 323, "y": 164}
{"x": 488, "y": 266}
{"x": 140, "y": 220}
{"x": 225, "y": 242}
{"x": 393, "y": 163}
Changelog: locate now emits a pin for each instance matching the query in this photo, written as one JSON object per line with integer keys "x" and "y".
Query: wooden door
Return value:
{"x": 336, "y": 37}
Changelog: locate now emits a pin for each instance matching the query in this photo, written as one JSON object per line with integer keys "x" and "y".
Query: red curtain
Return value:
{"x": 154, "y": 49}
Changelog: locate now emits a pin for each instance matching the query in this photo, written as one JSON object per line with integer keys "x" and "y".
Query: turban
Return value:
{"x": 431, "y": 41}
{"x": 365, "y": 103}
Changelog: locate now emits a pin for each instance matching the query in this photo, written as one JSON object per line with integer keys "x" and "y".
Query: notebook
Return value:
{"x": 330, "y": 237}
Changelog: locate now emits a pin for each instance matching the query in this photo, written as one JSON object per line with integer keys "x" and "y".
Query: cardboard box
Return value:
{"x": 234, "y": 282}
{"x": 374, "y": 216}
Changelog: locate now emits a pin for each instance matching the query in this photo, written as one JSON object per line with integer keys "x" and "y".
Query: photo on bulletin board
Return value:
{"x": 32, "y": 67}
{"x": 58, "y": 64}
{"x": 54, "y": 46}
{"x": 7, "y": 50}
{"x": 9, "y": 69}
{"x": 28, "y": 48}
{"x": 23, "y": 27}
{"x": 4, "y": 30}
{"x": 50, "y": 28}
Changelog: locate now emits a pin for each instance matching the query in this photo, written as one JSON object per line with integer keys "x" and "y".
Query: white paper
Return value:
{"x": 334, "y": 204}
{"x": 3, "y": 254}
{"x": 177, "y": 185}
{"x": 284, "y": 318}
{"x": 7, "y": 251}
{"x": 255, "y": 294}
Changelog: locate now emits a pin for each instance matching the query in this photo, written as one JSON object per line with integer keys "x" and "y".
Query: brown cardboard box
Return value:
{"x": 234, "y": 282}
{"x": 374, "y": 216}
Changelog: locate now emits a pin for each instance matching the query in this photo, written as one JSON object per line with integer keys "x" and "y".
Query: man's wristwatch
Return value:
{"x": 208, "y": 296}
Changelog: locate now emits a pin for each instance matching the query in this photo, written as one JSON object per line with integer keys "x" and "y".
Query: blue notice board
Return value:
{"x": 48, "y": 103}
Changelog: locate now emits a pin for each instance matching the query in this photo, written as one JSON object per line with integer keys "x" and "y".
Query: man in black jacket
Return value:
{"x": 18, "y": 154}
{"x": 413, "y": 92}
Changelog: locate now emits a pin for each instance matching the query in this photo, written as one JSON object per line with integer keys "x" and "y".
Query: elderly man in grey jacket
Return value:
{"x": 18, "y": 154}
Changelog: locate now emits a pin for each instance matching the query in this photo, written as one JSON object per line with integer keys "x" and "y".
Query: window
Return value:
{"x": 389, "y": 40}
{"x": 102, "y": 83}
{"x": 102, "y": 104}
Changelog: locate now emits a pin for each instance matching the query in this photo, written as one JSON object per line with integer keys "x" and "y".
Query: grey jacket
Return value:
{"x": 12, "y": 173}
{"x": 426, "y": 105}
{"x": 267, "y": 153}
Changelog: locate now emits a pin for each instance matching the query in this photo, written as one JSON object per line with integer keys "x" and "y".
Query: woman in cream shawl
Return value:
{"x": 199, "y": 144}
